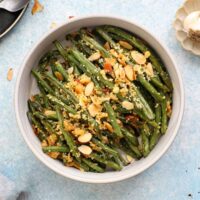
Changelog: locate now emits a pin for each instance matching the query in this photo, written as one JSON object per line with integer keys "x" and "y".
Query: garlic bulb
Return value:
{"x": 192, "y": 25}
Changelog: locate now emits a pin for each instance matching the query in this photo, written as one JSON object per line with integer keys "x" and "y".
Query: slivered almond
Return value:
{"x": 107, "y": 46}
{"x": 129, "y": 72}
{"x": 10, "y": 74}
{"x": 94, "y": 56}
{"x": 84, "y": 149}
{"x": 127, "y": 105}
{"x": 125, "y": 44}
{"x": 147, "y": 54}
{"x": 85, "y": 138}
{"x": 89, "y": 89}
{"x": 149, "y": 69}
{"x": 138, "y": 57}
{"x": 108, "y": 126}
{"x": 58, "y": 76}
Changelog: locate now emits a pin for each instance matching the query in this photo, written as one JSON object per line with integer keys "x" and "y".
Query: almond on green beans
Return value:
{"x": 84, "y": 149}
{"x": 125, "y": 44}
{"x": 89, "y": 89}
{"x": 94, "y": 56}
{"x": 127, "y": 105}
{"x": 138, "y": 57}
{"x": 129, "y": 72}
{"x": 85, "y": 137}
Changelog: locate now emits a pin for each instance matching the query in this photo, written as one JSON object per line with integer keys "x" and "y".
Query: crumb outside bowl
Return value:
{"x": 25, "y": 87}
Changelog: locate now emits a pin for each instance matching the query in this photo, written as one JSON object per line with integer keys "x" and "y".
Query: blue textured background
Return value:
{"x": 174, "y": 177}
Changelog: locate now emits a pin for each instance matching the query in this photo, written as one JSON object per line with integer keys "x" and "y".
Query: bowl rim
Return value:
{"x": 117, "y": 178}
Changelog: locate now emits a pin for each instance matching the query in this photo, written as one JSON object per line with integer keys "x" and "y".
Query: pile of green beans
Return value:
{"x": 134, "y": 112}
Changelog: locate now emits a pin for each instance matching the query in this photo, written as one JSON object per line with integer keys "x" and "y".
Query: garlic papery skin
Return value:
{"x": 192, "y": 25}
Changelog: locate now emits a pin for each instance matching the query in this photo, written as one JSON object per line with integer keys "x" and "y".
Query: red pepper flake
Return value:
{"x": 107, "y": 67}
{"x": 105, "y": 90}
{"x": 70, "y": 17}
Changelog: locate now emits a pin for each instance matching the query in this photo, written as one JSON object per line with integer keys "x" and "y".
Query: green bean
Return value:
{"x": 131, "y": 138}
{"x": 92, "y": 165}
{"x": 105, "y": 147}
{"x": 145, "y": 140}
{"x": 155, "y": 94}
{"x": 61, "y": 86}
{"x": 60, "y": 103}
{"x": 61, "y": 149}
{"x": 113, "y": 120}
{"x": 60, "y": 69}
{"x": 108, "y": 163}
{"x": 38, "y": 77}
{"x": 67, "y": 136}
{"x": 156, "y": 134}
{"x": 94, "y": 44}
{"x": 155, "y": 81}
{"x": 164, "y": 117}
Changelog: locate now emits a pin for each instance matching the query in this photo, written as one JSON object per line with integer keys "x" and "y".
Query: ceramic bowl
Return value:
{"x": 25, "y": 86}
{"x": 187, "y": 8}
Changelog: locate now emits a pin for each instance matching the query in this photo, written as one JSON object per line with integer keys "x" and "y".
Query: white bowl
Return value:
{"x": 24, "y": 88}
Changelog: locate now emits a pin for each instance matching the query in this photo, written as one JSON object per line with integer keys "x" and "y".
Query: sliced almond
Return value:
{"x": 138, "y": 57}
{"x": 53, "y": 25}
{"x": 149, "y": 70}
{"x": 85, "y": 138}
{"x": 108, "y": 126}
{"x": 37, "y": 7}
{"x": 125, "y": 44}
{"x": 94, "y": 109}
{"x": 59, "y": 76}
{"x": 89, "y": 89}
{"x": 84, "y": 149}
{"x": 129, "y": 72}
{"x": 107, "y": 46}
{"x": 70, "y": 70}
{"x": 127, "y": 105}
{"x": 10, "y": 74}
{"x": 147, "y": 54}
{"x": 94, "y": 56}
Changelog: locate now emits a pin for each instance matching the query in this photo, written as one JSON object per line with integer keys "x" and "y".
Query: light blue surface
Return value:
{"x": 172, "y": 178}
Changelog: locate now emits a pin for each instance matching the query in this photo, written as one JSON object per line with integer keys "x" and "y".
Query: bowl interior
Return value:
{"x": 26, "y": 86}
